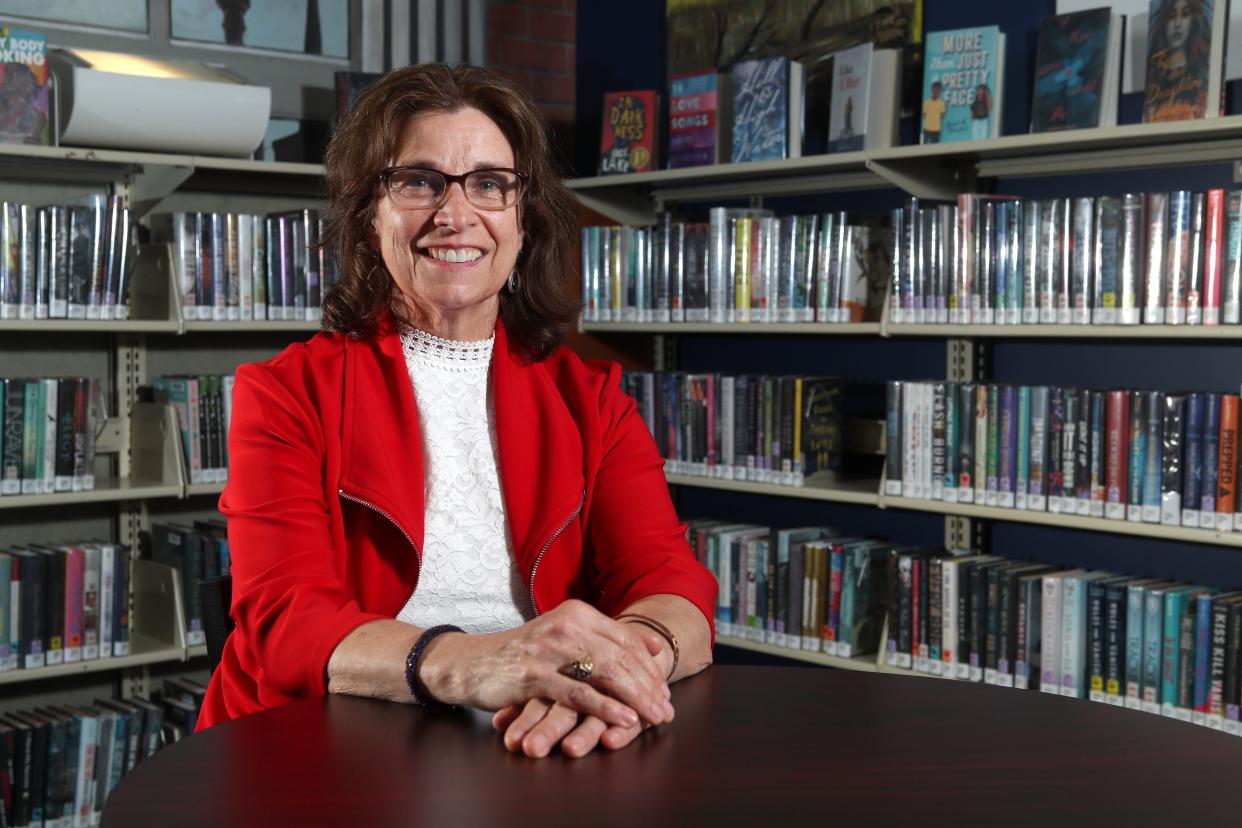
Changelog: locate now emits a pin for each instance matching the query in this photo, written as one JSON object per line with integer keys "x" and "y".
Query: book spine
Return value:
{"x": 1157, "y": 252}
{"x": 1130, "y": 276}
{"x": 983, "y": 447}
{"x": 1114, "y": 643}
{"x": 966, "y": 442}
{"x": 1073, "y": 633}
{"x": 1057, "y": 421}
{"x": 1213, "y": 256}
{"x": 1192, "y": 467}
{"x": 1096, "y": 632}
{"x": 1211, "y": 459}
{"x": 1036, "y": 499}
{"x": 1083, "y": 246}
{"x": 1154, "y": 409}
{"x": 1227, "y": 468}
{"x": 1050, "y": 646}
{"x": 1170, "y": 650}
{"x": 1022, "y": 471}
{"x": 1082, "y": 454}
{"x": 1171, "y": 471}
{"x": 1097, "y": 498}
{"x": 1008, "y": 449}
{"x": 1153, "y": 629}
{"x": 1178, "y": 257}
{"x": 1106, "y": 260}
{"x": 1231, "y": 278}
{"x": 938, "y": 441}
{"x": 1030, "y": 261}
{"x": 952, "y": 449}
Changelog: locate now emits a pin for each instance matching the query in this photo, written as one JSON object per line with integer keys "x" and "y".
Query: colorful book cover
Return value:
{"x": 628, "y": 137}
{"x": 1070, "y": 68}
{"x": 962, "y": 84}
{"x": 767, "y": 109}
{"x": 698, "y": 111}
{"x": 864, "y": 101}
{"x": 23, "y": 88}
{"x": 1185, "y": 60}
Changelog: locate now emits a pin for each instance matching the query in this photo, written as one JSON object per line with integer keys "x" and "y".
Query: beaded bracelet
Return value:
{"x": 665, "y": 632}
{"x": 411, "y": 664}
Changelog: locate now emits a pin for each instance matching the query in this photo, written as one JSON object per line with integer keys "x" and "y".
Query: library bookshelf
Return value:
{"x": 140, "y": 474}
{"x": 940, "y": 171}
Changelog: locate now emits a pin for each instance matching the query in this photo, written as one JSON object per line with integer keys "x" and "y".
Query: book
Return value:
{"x": 1077, "y": 71}
{"x": 963, "y": 84}
{"x": 767, "y": 109}
{"x": 24, "y": 92}
{"x": 1185, "y": 60}
{"x": 863, "y": 110}
{"x": 628, "y": 137}
{"x": 700, "y": 121}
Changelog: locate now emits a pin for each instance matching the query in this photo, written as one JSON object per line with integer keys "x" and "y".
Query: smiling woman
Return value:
{"x": 431, "y": 502}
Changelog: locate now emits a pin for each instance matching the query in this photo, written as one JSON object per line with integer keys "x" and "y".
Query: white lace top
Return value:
{"x": 468, "y": 577}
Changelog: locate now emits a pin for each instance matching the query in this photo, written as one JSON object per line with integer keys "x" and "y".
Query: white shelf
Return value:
{"x": 863, "y": 663}
{"x": 260, "y": 326}
{"x": 816, "y": 328}
{"x": 843, "y": 491}
{"x": 197, "y": 651}
{"x": 196, "y": 489}
{"x": 89, "y": 326}
{"x": 153, "y": 653}
{"x": 1162, "y": 332}
{"x": 105, "y": 491}
{"x": 1093, "y": 524}
{"x": 928, "y": 171}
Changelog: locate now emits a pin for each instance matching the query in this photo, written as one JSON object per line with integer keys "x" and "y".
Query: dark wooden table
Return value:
{"x": 750, "y": 745}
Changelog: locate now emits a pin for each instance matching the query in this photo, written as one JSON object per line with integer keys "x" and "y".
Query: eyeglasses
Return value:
{"x": 487, "y": 189}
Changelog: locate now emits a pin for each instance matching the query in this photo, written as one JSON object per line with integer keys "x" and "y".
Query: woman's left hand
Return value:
{"x": 538, "y": 726}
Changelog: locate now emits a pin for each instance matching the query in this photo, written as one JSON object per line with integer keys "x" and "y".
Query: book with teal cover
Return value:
{"x": 963, "y": 78}
{"x": 1070, "y": 68}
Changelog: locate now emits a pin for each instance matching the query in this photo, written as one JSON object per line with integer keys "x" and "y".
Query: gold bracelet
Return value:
{"x": 665, "y": 632}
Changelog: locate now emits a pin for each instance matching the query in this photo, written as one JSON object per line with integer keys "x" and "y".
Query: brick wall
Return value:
{"x": 533, "y": 43}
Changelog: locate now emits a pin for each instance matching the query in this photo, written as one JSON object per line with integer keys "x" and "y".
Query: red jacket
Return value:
{"x": 325, "y": 503}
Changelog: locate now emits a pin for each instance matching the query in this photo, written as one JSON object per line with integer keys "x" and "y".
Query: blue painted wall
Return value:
{"x": 627, "y": 51}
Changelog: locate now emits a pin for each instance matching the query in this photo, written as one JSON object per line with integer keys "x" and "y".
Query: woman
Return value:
{"x": 434, "y": 463}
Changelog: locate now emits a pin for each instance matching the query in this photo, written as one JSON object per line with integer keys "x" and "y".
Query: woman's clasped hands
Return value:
{"x": 527, "y": 675}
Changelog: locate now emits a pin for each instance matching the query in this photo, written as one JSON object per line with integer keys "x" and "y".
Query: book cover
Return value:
{"x": 864, "y": 101}
{"x": 628, "y": 141}
{"x": 1077, "y": 71}
{"x": 24, "y": 113}
{"x": 699, "y": 131}
{"x": 1185, "y": 60}
{"x": 963, "y": 80}
{"x": 767, "y": 109}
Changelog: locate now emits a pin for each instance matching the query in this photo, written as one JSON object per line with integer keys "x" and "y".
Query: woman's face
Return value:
{"x": 416, "y": 244}
{"x": 1177, "y": 28}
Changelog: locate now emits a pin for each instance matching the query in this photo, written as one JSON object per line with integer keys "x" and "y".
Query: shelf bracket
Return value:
{"x": 153, "y": 183}
{"x": 630, "y": 207}
{"x": 921, "y": 179}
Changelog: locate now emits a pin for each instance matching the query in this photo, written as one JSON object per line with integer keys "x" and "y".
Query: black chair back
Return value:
{"x": 216, "y": 595}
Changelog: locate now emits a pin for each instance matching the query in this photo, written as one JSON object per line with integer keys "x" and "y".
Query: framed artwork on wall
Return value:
{"x": 309, "y": 27}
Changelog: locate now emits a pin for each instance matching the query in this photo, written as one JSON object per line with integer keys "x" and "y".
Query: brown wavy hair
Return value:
{"x": 535, "y": 315}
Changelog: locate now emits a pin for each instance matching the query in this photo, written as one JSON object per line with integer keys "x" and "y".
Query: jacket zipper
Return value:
{"x": 391, "y": 520}
{"x": 555, "y": 535}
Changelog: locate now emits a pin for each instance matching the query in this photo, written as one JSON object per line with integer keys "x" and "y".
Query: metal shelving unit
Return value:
{"x": 865, "y": 492}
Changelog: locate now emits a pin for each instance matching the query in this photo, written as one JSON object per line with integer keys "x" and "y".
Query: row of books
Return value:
{"x": 1142, "y": 456}
{"x": 770, "y": 429}
{"x": 63, "y": 603}
{"x": 1137, "y": 642}
{"x": 47, "y": 443}
{"x": 236, "y": 266}
{"x": 763, "y": 109}
{"x": 204, "y": 406}
{"x": 1140, "y": 258}
{"x": 804, "y": 588}
{"x": 198, "y": 552}
{"x": 66, "y": 261}
{"x": 59, "y": 764}
{"x": 739, "y": 266}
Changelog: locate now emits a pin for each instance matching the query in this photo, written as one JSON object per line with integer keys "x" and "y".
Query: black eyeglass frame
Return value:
{"x": 386, "y": 174}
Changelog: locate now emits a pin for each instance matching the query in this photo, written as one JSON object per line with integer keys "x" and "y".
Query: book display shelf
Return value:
{"x": 140, "y": 474}
{"x": 937, "y": 171}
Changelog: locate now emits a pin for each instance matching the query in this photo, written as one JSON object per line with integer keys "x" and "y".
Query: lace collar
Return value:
{"x": 426, "y": 348}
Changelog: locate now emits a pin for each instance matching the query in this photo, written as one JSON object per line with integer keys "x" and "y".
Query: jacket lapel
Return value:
{"x": 540, "y": 451}
{"x": 382, "y": 452}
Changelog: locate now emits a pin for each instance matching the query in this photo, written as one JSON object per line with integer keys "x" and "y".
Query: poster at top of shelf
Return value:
{"x": 127, "y": 15}
{"x": 1185, "y": 61}
{"x": 716, "y": 34}
{"x": 863, "y": 107}
{"x": 628, "y": 141}
{"x": 1134, "y": 73}
{"x": 310, "y": 27}
{"x": 963, "y": 82}
{"x": 1077, "y": 71}
{"x": 23, "y": 88}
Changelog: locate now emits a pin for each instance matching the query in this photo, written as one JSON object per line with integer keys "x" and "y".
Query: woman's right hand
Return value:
{"x": 497, "y": 670}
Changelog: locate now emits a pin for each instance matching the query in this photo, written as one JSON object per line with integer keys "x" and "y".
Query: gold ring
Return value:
{"x": 582, "y": 668}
